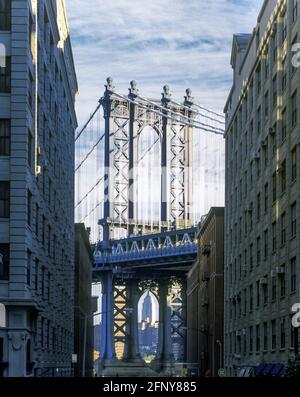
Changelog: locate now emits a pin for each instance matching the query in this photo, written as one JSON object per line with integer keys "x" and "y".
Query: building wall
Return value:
{"x": 83, "y": 301}
{"x": 262, "y": 191}
{"x": 205, "y": 297}
{"x": 38, "y": 103}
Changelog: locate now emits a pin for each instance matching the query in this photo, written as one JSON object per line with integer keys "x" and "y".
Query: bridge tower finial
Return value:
{"x": 109, "y": 85}
{"x": 188, "y": 99}
{"x": 166, "y": 95}
{"x": 133, "y": 90}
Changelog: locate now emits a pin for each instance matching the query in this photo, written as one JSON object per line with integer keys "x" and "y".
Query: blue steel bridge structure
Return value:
{"x": 134, "y": 255}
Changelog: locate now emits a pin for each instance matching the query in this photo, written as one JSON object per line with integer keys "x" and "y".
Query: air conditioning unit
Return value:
{"x": 272, "y": 131}
{"x": 263, "y": 281}
{"x": 44, "y": 164}
{"x": 255, "y": 156}
{"x": 38, "y": 170}
{"x": 280, "y": 270}
{"x": 263, "y": 143}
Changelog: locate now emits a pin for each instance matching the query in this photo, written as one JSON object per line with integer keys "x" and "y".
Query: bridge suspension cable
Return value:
{"x": 90, "y": 191}
{"x": 89, "y": 120}
{"x": 203, "y": 127}
{"x": 89, "y": 153}
{"x": 179, "y": 114}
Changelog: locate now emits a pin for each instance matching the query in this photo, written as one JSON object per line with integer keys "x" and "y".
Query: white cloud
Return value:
{"x": 185, "y": 43}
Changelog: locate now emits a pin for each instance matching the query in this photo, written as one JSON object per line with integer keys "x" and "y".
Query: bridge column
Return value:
{"x": 132, "y": 341}
{"x": 164, "y": 360}
{"x": 107, "y": 353}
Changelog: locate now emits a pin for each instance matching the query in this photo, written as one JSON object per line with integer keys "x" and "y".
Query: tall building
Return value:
{"x": 262, "y": 218}
{"x": 147, "y": 308}
{"x": 37, "y": 124}
{"x": 205, "y": 302}
{"x": 85, "y": 304}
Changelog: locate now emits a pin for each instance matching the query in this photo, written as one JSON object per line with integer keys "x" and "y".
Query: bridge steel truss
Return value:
{"x": 153, "y": 257}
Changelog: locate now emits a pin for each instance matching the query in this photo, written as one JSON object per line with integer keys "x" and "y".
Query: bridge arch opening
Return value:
{"x": 148, "y": 325}
{"x": 148, "y": 176}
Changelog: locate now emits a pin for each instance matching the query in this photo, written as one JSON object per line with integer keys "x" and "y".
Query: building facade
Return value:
{"x": 262, "y": 219}
{"x": 37, "y": 125}
{"x": 84, "y": 304}
{"x": 205, "y": 298}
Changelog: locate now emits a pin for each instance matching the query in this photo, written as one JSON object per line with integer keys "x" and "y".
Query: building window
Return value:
{"x": 274, "y": 187}
{"x": 258, "y": 206}
{"x": 251, "y": 339}
{"x": 294, "y": 109}
{"x": 284, "y": 74}
{"x": 37, "y": 210}
{"x": 258, "y": 78}
{"x": 257, "y": 338}
{"x": 293, "y": 220}
{"x": 283, "y": 229}
{"x": 282, "y": 334}
{"x": 29, "y": 207}
{"x": 274, "y": 338}
{"x": 265, "y": 291}
{"x": 5, "y": 77}
{"x": 43, "y": 230}
{"x": 258, "y": 121}
{"x": 267, "y": 104}
{"x": 266, "y": 336}
{"x": 28, "y": 268}
{"x": 29, "y": 150}
{"x": 295, "y": 10}
{"x": 4, "y": 137}
{"x": 266, "y": 198}
{"x": 257, "y": 293}
{"x": 251, "y": 298}
{"x": 251, "y": 257}
{"x": 274, "y": 237}
{"x": 258, "y": 252}
{"x": 274, "y": 92}
{"x": 284, "y": 125}
{"x": 5, "y": 14}
{"x": 266, "y": 244}
{"x": 284, "y": 26}
{"x": 4, "y": 199}
{"x": 36, "y": 275}
{"x": 4, "y": 261}
{"x": 282, "y": 283}
{"x": 283, "y": 176}
{"x": 293, "y": 276}
{"x": 274, "y": 288}
{"x": 294, "y": 164}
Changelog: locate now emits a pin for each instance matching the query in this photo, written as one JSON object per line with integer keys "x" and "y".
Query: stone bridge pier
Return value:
{"x": 120, "y": 355}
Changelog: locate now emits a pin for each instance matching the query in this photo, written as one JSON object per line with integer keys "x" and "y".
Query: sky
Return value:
{"x": 183, "y": 43}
